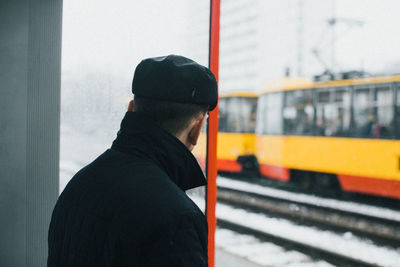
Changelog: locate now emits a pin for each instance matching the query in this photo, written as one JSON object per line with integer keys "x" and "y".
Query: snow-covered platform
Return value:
{"x": 223, "y": 259}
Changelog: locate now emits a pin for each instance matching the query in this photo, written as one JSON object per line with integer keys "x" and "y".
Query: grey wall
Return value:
{"x": 30, "y": 63}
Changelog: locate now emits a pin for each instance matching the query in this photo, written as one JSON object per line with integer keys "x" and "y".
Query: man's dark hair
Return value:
{"x": 171, "y": 116}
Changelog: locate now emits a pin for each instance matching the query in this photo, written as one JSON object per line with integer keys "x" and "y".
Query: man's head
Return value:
{"x": 176, "y": 93}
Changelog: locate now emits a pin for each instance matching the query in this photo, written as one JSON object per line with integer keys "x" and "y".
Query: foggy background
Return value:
{"x": 104, "y": 40}
{"x": 260, "y": 41}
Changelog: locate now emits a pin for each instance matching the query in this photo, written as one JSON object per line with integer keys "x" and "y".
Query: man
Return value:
{"x": 128, "y": 207}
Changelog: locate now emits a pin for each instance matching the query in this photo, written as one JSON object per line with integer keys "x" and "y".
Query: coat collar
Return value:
{"x": 142, "y": 137}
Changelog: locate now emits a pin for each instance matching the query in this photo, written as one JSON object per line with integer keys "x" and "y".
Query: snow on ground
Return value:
{"x": 262, "y": 253}
{"x": 345, "y": 244}
{"x": 225, "y": 258}
{"x": 307, "y": 199}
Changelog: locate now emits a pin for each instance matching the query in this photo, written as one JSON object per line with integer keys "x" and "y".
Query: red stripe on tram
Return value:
{"x": 275, "y": 172}
{"x": 226, "y": 165}
{"x": 369, "y": 185}
{"x": 212, "y": 135}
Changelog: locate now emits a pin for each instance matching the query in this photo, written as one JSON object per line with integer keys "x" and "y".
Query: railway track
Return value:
{"x": 289, "y": 244}
{"x": 381, "y": 230}
{"x": 374, "y": 232}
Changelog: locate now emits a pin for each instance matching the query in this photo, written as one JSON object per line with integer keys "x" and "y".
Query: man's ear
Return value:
{"x": 196, "y": 129}
{"x": 130, "y": 106}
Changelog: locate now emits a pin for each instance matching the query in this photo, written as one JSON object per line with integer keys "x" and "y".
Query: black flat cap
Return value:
{"x": 176, "y": 79}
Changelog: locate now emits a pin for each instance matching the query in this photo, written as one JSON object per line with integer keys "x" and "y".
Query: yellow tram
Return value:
{"x": 236, "y": 134}
{"x": 340, "y": 134}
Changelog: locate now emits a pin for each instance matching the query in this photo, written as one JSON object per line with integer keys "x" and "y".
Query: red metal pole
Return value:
{"x": 212, "y": 135}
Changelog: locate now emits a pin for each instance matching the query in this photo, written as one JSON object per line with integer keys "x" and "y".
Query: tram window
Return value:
{"x": 364, "y": 116}
{"x": 397, "y": 119}
{"x": 373, "y": 112}
{"x": 238, "y": 115}
{"x": 248, "y": 114}
{"x": 323, "y": 96}
{"x": 232, "y": 123}
{"x": 261, "y": 114}
{"x": 223, "y": 119}
{"x": 385, "y": 113}
{"x": 269, "y": 114}
{"x": 298, "y": 113}
{"x": 398, "y": 95}
{"x": 273, "y": 117}
{"x": 333, "y": 112}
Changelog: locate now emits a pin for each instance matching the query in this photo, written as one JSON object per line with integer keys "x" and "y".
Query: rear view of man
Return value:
{"x": 128, "y": 207}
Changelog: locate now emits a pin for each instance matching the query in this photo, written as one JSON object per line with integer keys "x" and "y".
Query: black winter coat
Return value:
{"x": 129, "y": 208}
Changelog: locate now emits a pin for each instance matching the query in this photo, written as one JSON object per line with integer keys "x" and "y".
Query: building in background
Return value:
{"x": 238, "y": 42}
{"x": 239, "y": 45}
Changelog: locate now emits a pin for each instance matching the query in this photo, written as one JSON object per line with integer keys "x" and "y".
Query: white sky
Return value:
{"x": 112, "y": 36}
{"x": 374, "y": 46}
{"x": 116, "y": 35}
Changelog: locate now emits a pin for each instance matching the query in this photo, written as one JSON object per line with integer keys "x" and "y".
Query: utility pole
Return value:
{"x": 332, "y": 23}
{"x": 300, "y": 37}
{"x": 330, "y": 65}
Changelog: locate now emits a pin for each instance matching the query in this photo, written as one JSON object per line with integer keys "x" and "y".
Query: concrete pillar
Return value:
{"x": 30, "y": 69}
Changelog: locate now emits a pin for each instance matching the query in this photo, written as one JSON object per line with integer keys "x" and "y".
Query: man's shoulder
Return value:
{"x": 144, "y": 183}
{"x": 113, "y": 163}
{"x": 135, "y": 181}
{"x": 108, "y": 168}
